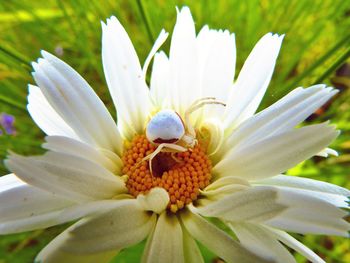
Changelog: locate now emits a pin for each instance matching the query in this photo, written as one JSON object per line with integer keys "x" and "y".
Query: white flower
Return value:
{"x": 95, "y": 171}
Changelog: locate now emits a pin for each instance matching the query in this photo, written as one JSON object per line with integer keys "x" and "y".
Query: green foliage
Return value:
{"x": 317, "y": 42}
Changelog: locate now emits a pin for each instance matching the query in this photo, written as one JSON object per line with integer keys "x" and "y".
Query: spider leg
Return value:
{"x": 174, "y": 158}
{"x": 201, "y": 99}
{"x": 171, "y": 146}
{"x": 195, "y": 106}
{"x": 189, "y": 140}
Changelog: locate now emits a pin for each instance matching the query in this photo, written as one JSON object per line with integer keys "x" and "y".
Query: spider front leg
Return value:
{"x": 170, "y": 146}
{"x": 195, "y": 106}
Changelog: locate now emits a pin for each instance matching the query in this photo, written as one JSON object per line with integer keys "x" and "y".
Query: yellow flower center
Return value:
{"x": 181, "y": 174}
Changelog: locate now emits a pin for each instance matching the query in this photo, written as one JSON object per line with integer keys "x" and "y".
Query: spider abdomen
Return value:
{"x": 165, "y": 127}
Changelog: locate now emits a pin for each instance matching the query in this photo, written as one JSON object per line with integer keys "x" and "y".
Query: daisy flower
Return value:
{"x": 187, "y": 155}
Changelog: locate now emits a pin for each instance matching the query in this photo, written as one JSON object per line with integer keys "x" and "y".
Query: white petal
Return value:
{"x": 148, "y": 245}
{"x": 53, "y": 252}
{"x": 217, "y": 240}
{"x": 279, "y": 207}
{"x": 192, "y": 253}
{"x": 70, "y": 146}
{"x": 253, "y": 80}
{"x": 124, "y": 226}
{"x": 224, "y": 186}
{"x": 75, "y": 101}
{"x": 336, "y": 200}
{"x": 305, "y": 183}
{"x": 155, "y": 200}
{"x": 297, "y": 246}
{"x": 254, "y": 204}
{"x": 159, "y": 42}
{"x": 216, "y": 61}
{"x": 124, "y": 78}
{"x": 280, "y": 117}
{"x": 67, "y": 175}
{"x": 224, "y": 181}
{"x": 221, "y": 192}
{"x": 307, "y": 214}
{"x": 183, "y": 77}
{"x": 326, "y": 152}
{"x": 160, "y": 86}
{"x": 276, "y": 154}
{"x": 87, "y": 209}
{"x": 45, "y": 116}
{"x": 331, "y": 193}
{"x": 34, "y": 222}
{"x": 215, "y": 132}
{"x": 24, "y": 207}
{"x": 261, "y": 241}
{"x": 166, "y": 244}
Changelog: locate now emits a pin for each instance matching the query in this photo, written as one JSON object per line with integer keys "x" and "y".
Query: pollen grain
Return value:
{"x": 181, "y": 174}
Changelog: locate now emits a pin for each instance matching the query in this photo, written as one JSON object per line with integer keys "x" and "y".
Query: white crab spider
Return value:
{"x": 167, "y": 130}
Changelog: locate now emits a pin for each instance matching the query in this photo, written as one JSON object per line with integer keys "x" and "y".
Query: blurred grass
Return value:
{"x": 317, "y": 42}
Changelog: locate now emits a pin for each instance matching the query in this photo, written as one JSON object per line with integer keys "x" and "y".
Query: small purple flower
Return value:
{"x": 7, "y": 122}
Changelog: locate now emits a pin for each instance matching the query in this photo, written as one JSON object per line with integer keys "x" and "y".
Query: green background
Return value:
{"x": 317, "y": 43}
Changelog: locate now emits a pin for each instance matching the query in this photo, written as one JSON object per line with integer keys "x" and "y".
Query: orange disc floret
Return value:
{"x": 181, "y": 174}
